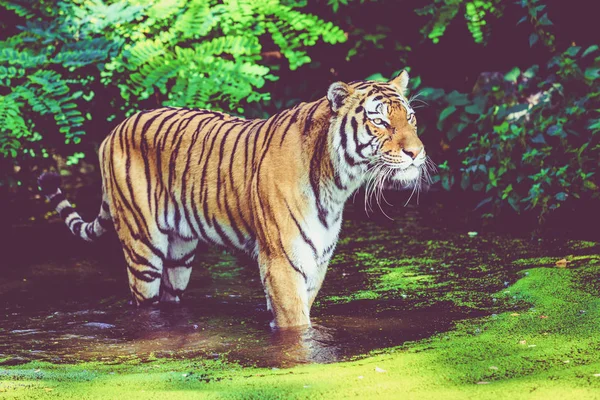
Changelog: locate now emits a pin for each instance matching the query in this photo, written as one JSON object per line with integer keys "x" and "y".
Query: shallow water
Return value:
{"x": 391, "y": 281}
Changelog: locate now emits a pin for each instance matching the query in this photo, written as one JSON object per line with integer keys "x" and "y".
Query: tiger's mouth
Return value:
{"x": 414, "y": 175}
{"x": 403, "y": 171}
{"x": 406, "y": 174}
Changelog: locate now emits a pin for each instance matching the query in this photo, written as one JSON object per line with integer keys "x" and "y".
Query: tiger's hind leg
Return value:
{"x": 145, "y": 262}
{"x": 177, "y": 268}
{"x": 145, "y": 249}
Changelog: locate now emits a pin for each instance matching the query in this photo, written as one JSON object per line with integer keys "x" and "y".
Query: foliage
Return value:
{"x": 524, "y": 139}
{"x": 476, "y": 14}
{"x": 43, "y": 77}
{"x": 528, "y": 139}
{"x": 205, "y": 54}
{"x": 539, "y": 21}
{"x": 479, "y": 13}
{"x": 199, "y": 53}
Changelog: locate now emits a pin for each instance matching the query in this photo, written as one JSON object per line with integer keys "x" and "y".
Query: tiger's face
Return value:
{"x": 378, "y": 129}
{"x": 391, "y": 121}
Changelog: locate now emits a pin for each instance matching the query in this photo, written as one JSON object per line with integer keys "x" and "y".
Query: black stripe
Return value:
{"x": 188, "y": 160}
{"x": 302, "y": 233}
{"x": 315, "y": 176}
{"x": 172, "y": 172}
{"x": 144, "y": 147}
{"x": 138, "y": 259}
{"x": 104, "y": 223}
{"x": 258, "y": 126}
{"x": 205, "y": 169}
{"x": 221, "y": 153}
{"x": 184, "y": 261}
{"x": 231, "y": 176}
{"x": 295, "y": 268}
{"x": 55, "y": 201}
{"x": 287, "y": 128}
{"x": 338, "y": 181}
{"x": 77, "y": 227}
{"x": 163, "y": 190}
{"x": 133, "y": 208}
{"x": 65, "y": 212}
{"x": 224, "y": 238}
{"x": 309, "y": 120}
{"x": 134, "y": 235}
{"x": 90, "y": 232}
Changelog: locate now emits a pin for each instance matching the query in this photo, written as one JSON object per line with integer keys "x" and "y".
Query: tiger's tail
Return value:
{"x": 89, "y": 231}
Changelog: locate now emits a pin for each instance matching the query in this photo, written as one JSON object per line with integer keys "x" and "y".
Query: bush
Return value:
{"x": 167, "y": 52}
{"x": 528, "y": 140}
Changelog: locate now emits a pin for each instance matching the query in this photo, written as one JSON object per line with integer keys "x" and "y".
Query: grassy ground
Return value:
{"x": 550, "y": 349}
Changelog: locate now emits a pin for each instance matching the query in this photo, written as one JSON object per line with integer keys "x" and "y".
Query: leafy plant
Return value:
{"x": 476, "y": 14}
{"x": 198, "y": 53}
{"x": 44, "y": 72}
{"x": 528, "y": 139}
{"x": 209, "y": 54}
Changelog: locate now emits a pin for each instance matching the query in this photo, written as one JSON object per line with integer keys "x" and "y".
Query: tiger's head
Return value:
{"x": 374, "y": 135}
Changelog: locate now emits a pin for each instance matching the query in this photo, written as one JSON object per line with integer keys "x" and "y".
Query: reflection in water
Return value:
{"x": 213, "y": 329}
{"x": 315, "y": 344}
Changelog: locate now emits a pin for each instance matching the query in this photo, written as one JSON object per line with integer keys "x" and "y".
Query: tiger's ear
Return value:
{"x": 401, "y": 82}
{"x": 337, "y": 94}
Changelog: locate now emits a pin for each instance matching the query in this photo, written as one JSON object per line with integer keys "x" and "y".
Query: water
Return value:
{"x": 66, "y": 301}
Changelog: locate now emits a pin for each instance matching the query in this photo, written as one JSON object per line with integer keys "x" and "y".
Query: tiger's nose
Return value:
{"x": 412, "y": 152}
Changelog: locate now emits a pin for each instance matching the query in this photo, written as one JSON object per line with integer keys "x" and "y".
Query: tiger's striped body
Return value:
{"x": 273, "y": 188}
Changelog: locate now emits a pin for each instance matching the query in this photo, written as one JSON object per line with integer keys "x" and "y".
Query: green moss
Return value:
{"x": 582, "y": 244}
{"x": 551, "y": 261}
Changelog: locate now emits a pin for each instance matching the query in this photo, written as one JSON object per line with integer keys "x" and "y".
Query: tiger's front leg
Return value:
{"x": 286, "y": 285}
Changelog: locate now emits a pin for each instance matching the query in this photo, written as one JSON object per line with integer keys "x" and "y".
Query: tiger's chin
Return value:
{"x": 404, "y": 178}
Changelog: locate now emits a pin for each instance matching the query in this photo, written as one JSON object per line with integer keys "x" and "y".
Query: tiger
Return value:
{"x": 273, "y": 188}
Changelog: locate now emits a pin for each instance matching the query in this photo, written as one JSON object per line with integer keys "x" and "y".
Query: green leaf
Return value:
{"x": 572, "y": 51}
{"x": 446, "y": 112}
{"x": 594, "y": 125}
{"x": 465, "y": 181}
{"x": 533, "y": 38}
{"x": 477, "y": 107}
{"x": 431, "y": 93}
{"x": 512, "y": 75}
{"x": 589, "y": 50}
{"x": 555, "y": 130}
{"x": 415, "y": 82}
{"x": 512, "y": 200}
{"x": 457, "y": 99}
{"x": 562, "y": 196}
{"x": 483, "y": 202}
{"x": 539, "y": 139}
{"x": 544, "y": 20}
{"x": 377, "y": 77}
{"x": 592, "y": 73}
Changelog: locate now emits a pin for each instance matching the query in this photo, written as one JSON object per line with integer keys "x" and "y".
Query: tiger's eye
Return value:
{"x": 378, "y": 121}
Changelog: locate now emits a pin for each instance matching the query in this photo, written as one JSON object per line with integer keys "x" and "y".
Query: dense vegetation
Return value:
{"x": 511, "y": 88}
